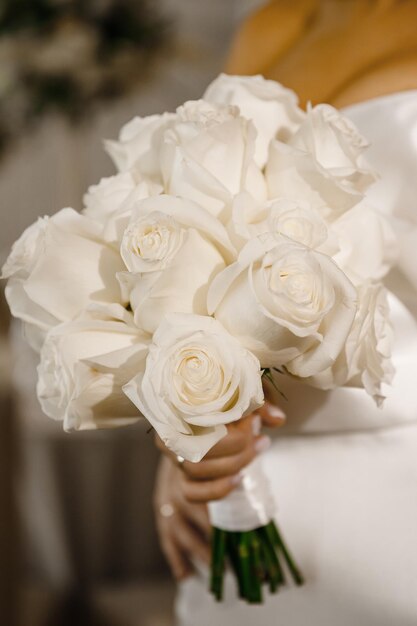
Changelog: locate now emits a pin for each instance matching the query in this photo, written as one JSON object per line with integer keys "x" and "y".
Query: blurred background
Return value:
{"x": 77, "y": 538}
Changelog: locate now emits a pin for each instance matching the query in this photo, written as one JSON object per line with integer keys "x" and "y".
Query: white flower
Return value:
{"x": 341, "y": 239}
{"x": 363, "y": 261}
{"x": 26, "y": 250}
{"x": 283, "y": 217}
{"x": 197, "y": 379}
{"x": 150, "y": 242}
{"x": 84, "y": 365}
{"x": 295, "y": 174}
{"x": 173, "y": 249}
{"x": 207, "y": 156}
{"x": 111, "y": 201}
{"x": 321, "y": 163}
{"x": 56, "y": 269}
{"x": 336, "y": 144}
{"x": 271, "y": 107}
{"x": 366, "y": 358}
{"x": 290, "y": 305}
{"x": 103, "y": 199}
{"x": 139, "y": 145}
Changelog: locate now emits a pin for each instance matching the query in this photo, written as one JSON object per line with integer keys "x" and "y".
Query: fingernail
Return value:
{"x": 275, "y": 412}
{"x": 256, "y": 425}
{"x": 262, "y": 444}
{"x": 235, "y": 480}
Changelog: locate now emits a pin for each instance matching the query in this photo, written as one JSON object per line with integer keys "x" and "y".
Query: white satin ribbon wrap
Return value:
{"x": 248, "y": 506}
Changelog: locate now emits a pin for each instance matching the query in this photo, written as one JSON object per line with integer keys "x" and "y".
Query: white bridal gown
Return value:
{"x": 344, "y": 473}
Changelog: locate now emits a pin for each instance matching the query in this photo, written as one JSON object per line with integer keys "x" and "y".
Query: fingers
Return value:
{"x": 233, "y": 443}
{"x": 244, "y": 425}
{"x": 215, "y": 479}
{"x": 242, "y": 443}
{"x": 213, "y": 468}
{"x": 181, "y": 542}
{"x": 197, "y": 514}
{"x": 183, "y": 528}
{"x": 206, "y": 491}
{"x": 191, "y": 541}
{"x": 178, "y": 562}
{"x": 272, "y": 416}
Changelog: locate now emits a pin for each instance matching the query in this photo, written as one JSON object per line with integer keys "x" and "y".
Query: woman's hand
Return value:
{"x": 183, "y": 528}
{"x": 219, "y": 472}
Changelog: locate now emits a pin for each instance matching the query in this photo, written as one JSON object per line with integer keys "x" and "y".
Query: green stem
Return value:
{"x": 244, "y": 562}
{"x": 256, "y": 569}
{"x": 281, "y": 545}
{"x": 268, "y": 375}
{"x": 255, "y": 559}
{"x": 218, "y": 562}
{"x": 232, "y": 547}
{"x": 275, "y": 575}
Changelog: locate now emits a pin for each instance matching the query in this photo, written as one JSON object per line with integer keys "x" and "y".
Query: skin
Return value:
{"x": 335, "y": 51}
{"x": 186, "y": 534}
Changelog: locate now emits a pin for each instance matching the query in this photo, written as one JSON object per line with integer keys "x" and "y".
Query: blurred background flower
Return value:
{"x": 70, "y": 55}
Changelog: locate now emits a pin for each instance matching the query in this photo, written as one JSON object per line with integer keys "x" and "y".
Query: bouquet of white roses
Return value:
{"x": 228, "y": 248}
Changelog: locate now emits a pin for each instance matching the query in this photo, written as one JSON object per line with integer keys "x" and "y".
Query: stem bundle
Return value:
{"x": 256, "y": 557}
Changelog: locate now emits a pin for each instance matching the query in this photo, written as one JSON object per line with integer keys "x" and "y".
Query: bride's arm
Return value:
{"x": 372, "y": 48}
{"x": 397, "y": 74}
{"x": 267, "y": 34}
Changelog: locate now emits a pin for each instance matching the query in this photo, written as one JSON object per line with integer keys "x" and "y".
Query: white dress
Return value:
{"x": 344, "y": 473}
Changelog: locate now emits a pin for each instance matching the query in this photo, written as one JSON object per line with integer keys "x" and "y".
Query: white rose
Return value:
{"x": 366, "y": 358}
{"x": 103, "y": 199}
{"x": 290, "y": 305}
{"x": 173, "y": 249}
{"x": 56, "y": 269}
{"x": 207, "y": 156}
{"x": 336, "y": 144}
{"x": 295, "y": 174}
{"x": 26, "y": 250}
{"x": 150, "y": 242}
{"x": 139, "y": 145}
{"x": 84, "y": 365}
{"x": 340, "y": 240}
{"x": 21, "y": 260}
{"x": 271, "y": 107}
{"x": 283, "y": 217}
{"x": 197, "y": 379}
{"x": 360, "y": 262}
{"x": 111, "y": 201}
